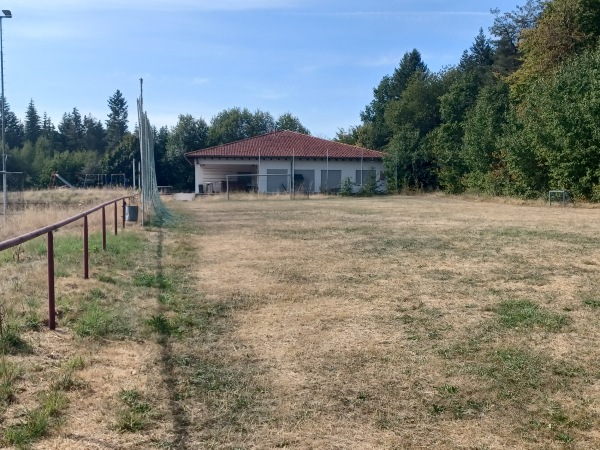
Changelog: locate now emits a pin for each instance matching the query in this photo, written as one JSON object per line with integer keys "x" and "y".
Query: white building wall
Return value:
{"x": 215, "y": 170}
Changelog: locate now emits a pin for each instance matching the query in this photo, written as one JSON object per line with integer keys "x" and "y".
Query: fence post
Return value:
{"x": 86, "y": 253}
{"x": 103, "y": 228}
{"x": 116, "y": 222}
{"x": 51, "y": 308}
{"x": 124, "y": 205}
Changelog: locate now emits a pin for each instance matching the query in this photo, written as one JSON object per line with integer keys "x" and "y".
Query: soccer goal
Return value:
{"x": 559, "y": 196}
{"x": 94, "y": 180}
{"x": 117, "y": 179}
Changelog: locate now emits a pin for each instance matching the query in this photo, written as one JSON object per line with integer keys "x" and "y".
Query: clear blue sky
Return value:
{"x": 317, "y": 59}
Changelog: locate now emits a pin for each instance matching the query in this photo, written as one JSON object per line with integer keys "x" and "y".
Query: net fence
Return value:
{"x": 152, "y": 206}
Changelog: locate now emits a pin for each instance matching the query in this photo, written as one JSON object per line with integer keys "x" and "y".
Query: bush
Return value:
{"x": 347, "y": 185}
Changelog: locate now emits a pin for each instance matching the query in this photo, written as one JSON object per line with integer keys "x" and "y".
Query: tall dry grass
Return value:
{"x": 45, "y": 207}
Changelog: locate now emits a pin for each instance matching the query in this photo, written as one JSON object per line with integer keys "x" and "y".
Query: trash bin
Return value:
{"x": 131, "y": 213}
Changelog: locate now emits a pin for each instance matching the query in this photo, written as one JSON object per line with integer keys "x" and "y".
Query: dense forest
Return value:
{"x": 518, "y": 115}
{"x": 84, "y": 145}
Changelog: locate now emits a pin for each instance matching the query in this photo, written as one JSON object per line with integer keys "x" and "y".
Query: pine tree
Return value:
{"x": 94, "y": 135}
{"x": 13, "y": 128}
{"x": 33, "y": 127}
{"x": 116, "y": 125}
{"x": 390, "y": 88}
{"x": 71, "y": 130}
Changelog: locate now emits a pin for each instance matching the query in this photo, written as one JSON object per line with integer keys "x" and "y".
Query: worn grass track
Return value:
{"x": 402, "y": 322}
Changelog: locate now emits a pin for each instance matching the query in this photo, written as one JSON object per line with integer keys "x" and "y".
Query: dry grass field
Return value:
{"x": 45, "y": 207}
{"x": 329, "y": 323}
{"x": 402, "y": 322}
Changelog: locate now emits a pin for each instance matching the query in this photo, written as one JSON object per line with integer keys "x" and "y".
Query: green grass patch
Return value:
{"x": 136, "y": 413}
{"x": 37, "y": 422}
{"x": 591, "y": 300}
{"x": 158, "y": 281}
{"x": 98, "y": 322}
{"x": 9, "y": 374}
{"x": 75, "y": 363}
{"x": 127, "y": 243}
{"x": 162, "y": 325}
{"x": 515, "y": 371}
{"x": 524, "y": 314}
{"x": 106, "y": 278}
{"x": 65, "y": 380}
{"x": 11, "y": 342}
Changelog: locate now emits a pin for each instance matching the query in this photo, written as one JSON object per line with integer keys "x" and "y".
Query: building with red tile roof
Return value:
{"x": 269, "y": 162}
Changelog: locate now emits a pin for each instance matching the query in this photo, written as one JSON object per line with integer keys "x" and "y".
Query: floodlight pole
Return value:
{"x": 6, "y": 14}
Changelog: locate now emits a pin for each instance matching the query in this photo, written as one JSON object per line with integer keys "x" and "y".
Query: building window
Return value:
{"x": 331, "y": 180}
{"x": 304, "y": 180}
{"x": 365, "y": 176}
{"x": 278, "y": 182}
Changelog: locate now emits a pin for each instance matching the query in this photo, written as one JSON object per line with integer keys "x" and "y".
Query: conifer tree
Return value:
{"x": 32, "y": 126}
{"x": 116, "y": 125}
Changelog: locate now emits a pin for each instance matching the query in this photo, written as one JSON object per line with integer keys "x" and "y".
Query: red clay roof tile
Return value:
{"x": 286, "y": 144}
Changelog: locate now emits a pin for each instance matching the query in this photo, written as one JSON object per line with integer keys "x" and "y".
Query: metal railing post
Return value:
{"x": 116, "y": 221}
{"x": 86, "y": 253}
{"x": 103, "y": 228}
{"x": 124, "y": 205}
{"x": 51, "y": 307}
{"x": 49, "y": 231}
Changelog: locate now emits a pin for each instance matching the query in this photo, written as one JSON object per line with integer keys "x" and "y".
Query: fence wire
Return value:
{"x": 152, "y": 206}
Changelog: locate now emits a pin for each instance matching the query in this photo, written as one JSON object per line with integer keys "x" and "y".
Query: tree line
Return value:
{"x": 517, "y": 115}
{"x": 85, "y": 145}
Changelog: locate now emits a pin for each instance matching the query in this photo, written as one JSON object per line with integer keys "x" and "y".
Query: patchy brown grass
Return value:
{"x": 399, "y": 322}
{"x": 402, "y": 322}
{"x": 101, "y": 326}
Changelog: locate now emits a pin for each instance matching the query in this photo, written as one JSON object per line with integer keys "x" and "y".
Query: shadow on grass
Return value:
{"x": 180, "y": 419}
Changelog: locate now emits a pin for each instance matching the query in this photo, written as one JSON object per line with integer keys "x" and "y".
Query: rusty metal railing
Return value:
{"x": 50, "y": 229}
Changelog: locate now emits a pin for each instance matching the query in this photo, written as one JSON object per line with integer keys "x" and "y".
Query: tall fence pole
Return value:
{"x": 86, "y": 251}
{"x": 116, "y": 221}
{"x": 103, "y": 228}
{"x": 51, "y": 307}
